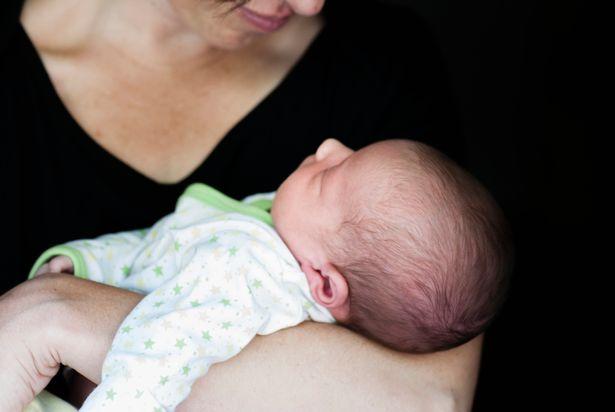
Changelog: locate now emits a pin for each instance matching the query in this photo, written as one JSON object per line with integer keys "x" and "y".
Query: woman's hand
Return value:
{"x": 27, "y": 338}
{"x": 51, "y": 320}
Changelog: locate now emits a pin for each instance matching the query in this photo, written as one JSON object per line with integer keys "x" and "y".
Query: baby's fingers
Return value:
{"x": 42, "y": 270}
{"x": 61, "y": 264}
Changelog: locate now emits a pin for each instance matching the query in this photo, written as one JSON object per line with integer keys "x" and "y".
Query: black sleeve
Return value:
{"x": 419, "y": 103}
{"x": 390, "y": 80}
{"x": 9, "y": 20}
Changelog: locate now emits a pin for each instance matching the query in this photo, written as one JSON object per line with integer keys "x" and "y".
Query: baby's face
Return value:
{"x": 311, "y": 202}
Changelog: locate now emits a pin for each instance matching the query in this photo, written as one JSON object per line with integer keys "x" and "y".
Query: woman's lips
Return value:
{"x": 264, "y": 23}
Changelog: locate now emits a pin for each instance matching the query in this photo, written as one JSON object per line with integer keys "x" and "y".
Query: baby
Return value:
{"x": 394, "y": 241}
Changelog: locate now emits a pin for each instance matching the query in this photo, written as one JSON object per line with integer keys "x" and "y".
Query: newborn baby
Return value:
{"x": 394, "y": 241}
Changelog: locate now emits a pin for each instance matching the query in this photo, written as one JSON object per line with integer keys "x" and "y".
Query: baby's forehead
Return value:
{"x": 386, "y": 152}
{"x": 372, "y": 155}
{"x": 382, "y": 159}
{"x": 369, "y": 171}
{"x": 387, "y": 167}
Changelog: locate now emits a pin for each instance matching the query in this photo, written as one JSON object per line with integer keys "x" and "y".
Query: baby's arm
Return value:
{"x": 230, "y": 287}
{"x": 106, "y": 259}
{"x": 203, "y": 315}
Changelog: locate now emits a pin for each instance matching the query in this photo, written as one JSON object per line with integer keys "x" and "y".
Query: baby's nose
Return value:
{"x": 306, "y": 7}
{"x": 328, "y": 147}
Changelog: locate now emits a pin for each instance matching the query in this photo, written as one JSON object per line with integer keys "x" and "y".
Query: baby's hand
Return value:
{"x": 59, "y": 264}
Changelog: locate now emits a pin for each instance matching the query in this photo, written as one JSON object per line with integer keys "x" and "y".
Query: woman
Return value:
{"x": 112, "y": 108}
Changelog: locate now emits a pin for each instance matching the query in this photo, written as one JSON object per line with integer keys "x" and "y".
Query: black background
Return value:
{"x": 519, "y": 71}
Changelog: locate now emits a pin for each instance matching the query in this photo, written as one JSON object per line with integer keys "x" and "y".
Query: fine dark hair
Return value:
{"x": 427, "y": 256}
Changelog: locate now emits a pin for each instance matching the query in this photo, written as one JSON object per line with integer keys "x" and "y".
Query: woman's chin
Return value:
{"x": 233, "y": 41}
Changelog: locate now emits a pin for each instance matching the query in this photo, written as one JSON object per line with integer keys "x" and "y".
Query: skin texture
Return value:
{"x": 132, "y": 74}
{"x": 297, "y": 380}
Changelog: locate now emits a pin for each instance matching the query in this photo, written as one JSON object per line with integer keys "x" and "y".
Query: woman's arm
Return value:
{"x": 309, "y": 367}
{"x": 328, "y": 368}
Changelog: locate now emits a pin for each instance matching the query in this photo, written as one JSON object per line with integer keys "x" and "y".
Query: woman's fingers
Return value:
{"x": 91, "y": 313}
{"x": 28, "y": 360}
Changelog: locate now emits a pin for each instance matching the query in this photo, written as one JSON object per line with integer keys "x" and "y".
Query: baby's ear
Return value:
{"x": 329, "y": 288}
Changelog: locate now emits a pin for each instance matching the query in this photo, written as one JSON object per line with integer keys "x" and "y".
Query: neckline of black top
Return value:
{"x": 115, "y": 168}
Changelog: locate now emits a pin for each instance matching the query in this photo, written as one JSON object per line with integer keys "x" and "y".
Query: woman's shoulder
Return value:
{"x": 389, "y": 77}
{"x": 379, "y": 44}
{"x": 377, "y": 28}
{"x": 9, "y": 20}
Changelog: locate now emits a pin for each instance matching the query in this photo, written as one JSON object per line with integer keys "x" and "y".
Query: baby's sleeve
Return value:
{"x": 104, "y": 259}
{"x": 113, "y": 258}
{"x": 205, "y": 314}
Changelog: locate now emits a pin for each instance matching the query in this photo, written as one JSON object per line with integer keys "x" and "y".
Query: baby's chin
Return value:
{"x": 277, "y": 215}
{"x": 274, "y": 211}
{"x": 279, "y": 204}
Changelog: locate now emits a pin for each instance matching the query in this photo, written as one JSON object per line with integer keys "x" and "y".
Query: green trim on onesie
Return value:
{"x": 257, "y": 209}
{"x": 212, "y": 197}
{"x": 79, "y": 267}
{"x": 48, "y": 402}
{"x": 264, "y": 204}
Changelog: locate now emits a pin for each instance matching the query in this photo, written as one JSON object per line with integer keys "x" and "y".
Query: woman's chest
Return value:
{"x": 162, "y": 127}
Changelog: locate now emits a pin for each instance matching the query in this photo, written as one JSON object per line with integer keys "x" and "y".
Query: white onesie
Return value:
{"x": 215, "y": 272}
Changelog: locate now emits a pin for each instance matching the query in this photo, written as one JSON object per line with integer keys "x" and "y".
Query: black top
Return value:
{"x": 367, "y": 76}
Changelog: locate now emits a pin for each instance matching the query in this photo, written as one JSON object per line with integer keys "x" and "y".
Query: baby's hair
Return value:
{"x": 426, "y": 251}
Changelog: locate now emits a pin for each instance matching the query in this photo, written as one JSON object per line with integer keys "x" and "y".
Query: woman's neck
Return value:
{"x": 148, "y": 33}
{"x": 154, "y": 34}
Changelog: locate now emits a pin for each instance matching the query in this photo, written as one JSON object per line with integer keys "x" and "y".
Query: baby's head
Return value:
{"x": 397, "y": 242}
